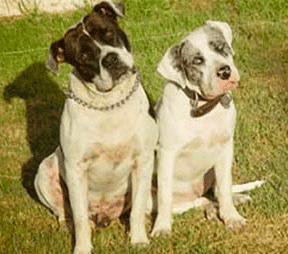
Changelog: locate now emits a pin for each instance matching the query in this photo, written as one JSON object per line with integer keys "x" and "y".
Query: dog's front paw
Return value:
{"x": 82, "y": 250}
{"x": 162, "y": 226}
{"x": 233, "y": 220}
{"x": 139, "y": 239}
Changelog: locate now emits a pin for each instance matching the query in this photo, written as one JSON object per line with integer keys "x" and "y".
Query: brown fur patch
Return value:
{"x": 196, "y": 143}
{"x": 101, "y": 212}
{"x": 218, "y": 139}
{"x": 113, "y": 153}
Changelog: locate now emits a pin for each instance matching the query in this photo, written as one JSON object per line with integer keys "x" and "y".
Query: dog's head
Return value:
{"x": 203, "y": 61}
{"x": 96, "y": 47}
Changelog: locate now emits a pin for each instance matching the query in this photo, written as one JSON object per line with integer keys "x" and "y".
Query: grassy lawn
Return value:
{"x": 31, "y": 100}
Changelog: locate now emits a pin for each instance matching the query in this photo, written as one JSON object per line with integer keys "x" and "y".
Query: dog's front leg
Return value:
{"x": 223, "y": 171}
{"x": 76, "y": 180}
{"x": 141, "y": 188}
{"x": 163, "y": 223}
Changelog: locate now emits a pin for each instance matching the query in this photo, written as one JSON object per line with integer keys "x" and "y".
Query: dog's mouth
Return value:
{"x": 103, "y": 89}
{"x": 227, "y": 85}
{"x": 222, "y": 86}
{"x": 109, "y": 83}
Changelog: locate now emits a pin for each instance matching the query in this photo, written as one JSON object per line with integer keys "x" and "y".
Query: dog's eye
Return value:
{"x": 197, "y": 60}
{"x": 84, "y": 57}
{"x": 220, "y": 47}
{"x": 109, "y": 34}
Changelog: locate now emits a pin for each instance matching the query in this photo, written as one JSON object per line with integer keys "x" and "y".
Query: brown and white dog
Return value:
{"x": 107, "y": 137}
{"x": 196, "y": 119}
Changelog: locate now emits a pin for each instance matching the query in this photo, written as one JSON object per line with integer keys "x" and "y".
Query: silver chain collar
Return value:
{"x": 70, "y": 95}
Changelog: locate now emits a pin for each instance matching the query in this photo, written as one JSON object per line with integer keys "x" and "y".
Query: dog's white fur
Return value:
{"x": 190, "y": 147}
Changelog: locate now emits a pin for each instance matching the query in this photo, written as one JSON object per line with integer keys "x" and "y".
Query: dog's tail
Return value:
{"x": 239, "y": 188}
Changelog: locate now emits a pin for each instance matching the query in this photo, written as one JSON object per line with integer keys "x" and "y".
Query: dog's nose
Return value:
{"x": 224, "y": 72}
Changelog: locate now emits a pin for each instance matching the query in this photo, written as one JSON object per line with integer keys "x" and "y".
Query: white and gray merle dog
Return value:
{"x": 196, "y": 119}
{"x": 107, "y": 138}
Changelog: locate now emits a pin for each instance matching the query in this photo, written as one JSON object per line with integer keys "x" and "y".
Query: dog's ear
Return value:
{"x": 108, "y": 8}
{"x": 56, "y": 55}
{"x": 225, "y": 29}
{"x": 170, "y": 66}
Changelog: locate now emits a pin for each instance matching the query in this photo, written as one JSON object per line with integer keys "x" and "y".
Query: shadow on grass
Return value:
{"x": 44, "y": 103}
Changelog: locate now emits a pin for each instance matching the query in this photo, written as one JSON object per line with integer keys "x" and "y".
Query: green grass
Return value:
{"x": 31, "y": 101}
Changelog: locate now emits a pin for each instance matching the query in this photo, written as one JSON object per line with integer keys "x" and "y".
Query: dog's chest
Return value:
{"x": 108, "y": 168}
{"x": 209, "y": 133}
{"x": 109, "y": 165}
{"x": 203, "y": 143}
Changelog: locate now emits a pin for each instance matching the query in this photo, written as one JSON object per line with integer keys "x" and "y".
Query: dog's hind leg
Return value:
{"x": 51, "y": 189}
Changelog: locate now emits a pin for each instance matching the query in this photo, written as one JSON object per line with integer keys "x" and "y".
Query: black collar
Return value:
{"x": 210, "y": 104}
